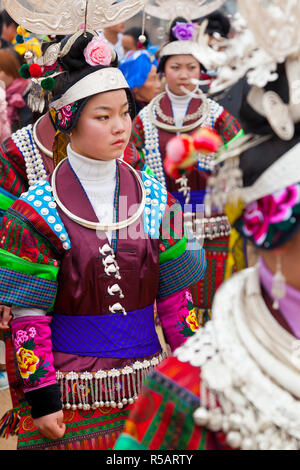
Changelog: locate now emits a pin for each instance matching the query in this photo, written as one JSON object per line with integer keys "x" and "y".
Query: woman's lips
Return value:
{"x": 119, "y": 142}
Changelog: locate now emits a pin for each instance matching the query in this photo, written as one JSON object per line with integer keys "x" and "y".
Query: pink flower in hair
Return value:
{"x": 98, "y": 52}
{"x": 271, "y": 209}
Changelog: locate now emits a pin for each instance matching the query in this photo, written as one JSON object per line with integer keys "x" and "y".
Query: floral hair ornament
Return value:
{"x": 98, "y": 52}
{"x": 184, "y": 31}
{"x": 265, "y": 219}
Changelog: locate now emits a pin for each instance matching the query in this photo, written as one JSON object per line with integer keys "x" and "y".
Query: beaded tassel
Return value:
{"x": 112, "y": 388}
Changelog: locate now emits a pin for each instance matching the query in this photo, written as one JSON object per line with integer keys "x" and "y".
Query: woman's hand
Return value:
{"x": 5, "y": 317}
{"x": 51, "y": 426}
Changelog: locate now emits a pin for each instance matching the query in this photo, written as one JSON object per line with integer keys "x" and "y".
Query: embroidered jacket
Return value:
{"x": 100, "y": 308}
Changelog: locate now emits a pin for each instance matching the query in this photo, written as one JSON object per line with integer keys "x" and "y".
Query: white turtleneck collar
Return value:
{"x": 88, "y": 169}
{"x": 98, "y": 179}
{"x": 180, "y": 104}
{"x": 180, "y": 99}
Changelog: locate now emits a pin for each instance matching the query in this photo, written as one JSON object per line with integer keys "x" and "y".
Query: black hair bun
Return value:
{"x": 218, "y": 23}
{"x": 74, "y": 60}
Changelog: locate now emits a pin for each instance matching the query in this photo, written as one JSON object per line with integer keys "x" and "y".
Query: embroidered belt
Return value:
{"x": 114, "y": 335}
{"x": 105, "y": 388}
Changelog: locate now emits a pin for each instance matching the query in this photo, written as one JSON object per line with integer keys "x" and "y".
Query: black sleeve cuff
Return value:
{"x": 44, "y": 401}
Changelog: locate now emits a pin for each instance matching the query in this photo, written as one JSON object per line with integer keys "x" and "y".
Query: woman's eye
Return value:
{"x": 126, "y": 112}
{"x": 102, "y": 118}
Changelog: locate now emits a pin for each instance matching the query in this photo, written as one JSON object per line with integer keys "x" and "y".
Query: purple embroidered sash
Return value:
{"x": 196, "y": 199}
{"x": 115, "y": 335}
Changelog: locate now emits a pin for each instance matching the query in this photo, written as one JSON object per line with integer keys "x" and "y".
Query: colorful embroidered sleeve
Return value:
{"x": 162, "y": 417}
{"x": 32, "y": 342}
{"x": 182, "y": 261}
{"x": 228, "y": 127}
{"x": 13, "y": 179}
{"x": 31, "y": 336}
{"x": 32, "y": 240}
{"x": 178, "y": 318}
{"x": 32, "y": 243}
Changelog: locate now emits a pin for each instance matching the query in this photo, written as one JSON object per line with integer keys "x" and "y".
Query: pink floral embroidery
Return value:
{"x": 32, "y": 332}
{"x": 97, "y": 52}
{"x": 31, "y": 366}
{"x": 21, "y": 338}
{"x": 268, "y": 210}
{"x": 65, "y": 114}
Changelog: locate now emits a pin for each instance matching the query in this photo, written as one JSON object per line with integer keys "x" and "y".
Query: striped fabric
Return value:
{"x": 25, "y": 290}
{"x": 216, "y": 256}
{"x": 183, "y": 271}
{"x": 12, "y": 169}
{"x": 227, "y": 126}
{"x": 162, "y": 418}
{"x": 85, "y": 430}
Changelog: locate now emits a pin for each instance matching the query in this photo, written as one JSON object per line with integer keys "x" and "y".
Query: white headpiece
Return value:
{"x": 102, "y": 80}
{"x": 195, "y": 47}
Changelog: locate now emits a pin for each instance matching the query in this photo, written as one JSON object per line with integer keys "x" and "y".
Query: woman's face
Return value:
{"x": 150, "y": 89}
{"x": 179, "y": 70}
{"x": 104, "y": 127}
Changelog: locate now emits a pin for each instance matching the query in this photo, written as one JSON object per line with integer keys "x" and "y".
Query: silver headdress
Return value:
{"x": 267, "y": 36}
{"x": 189, "y": 9}
{"x": 67, "y": 16}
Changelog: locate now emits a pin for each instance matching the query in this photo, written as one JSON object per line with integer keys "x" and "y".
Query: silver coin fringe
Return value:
{"x": 105, "y": 388}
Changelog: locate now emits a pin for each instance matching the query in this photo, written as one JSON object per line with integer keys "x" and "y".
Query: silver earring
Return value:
{"x": 278, "y": 284}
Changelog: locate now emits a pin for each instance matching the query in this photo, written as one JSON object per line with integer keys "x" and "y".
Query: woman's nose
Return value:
{"x": 118, "y": 125}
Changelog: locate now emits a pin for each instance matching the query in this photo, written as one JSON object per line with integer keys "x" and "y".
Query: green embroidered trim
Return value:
{"x": 240, "y": 134}
{"x": 174, "y": 251}
{"x": 10, "y": 261}
{"x": 5, "y": 201}
{"x": 126, "y": 442}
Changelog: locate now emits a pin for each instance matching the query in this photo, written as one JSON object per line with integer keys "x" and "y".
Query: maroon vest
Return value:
{"x": 83, "y": 283}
